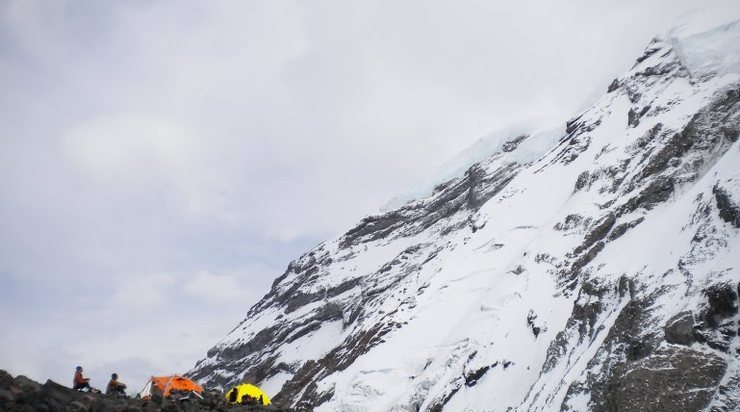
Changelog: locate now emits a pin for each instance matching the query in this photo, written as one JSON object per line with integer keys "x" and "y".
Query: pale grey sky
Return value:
{"x": 161, "y": 162}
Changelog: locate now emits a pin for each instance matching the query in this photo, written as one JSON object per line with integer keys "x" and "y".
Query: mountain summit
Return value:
{"x": 592, "y": 268}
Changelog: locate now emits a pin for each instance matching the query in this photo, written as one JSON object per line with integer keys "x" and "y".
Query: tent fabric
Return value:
{"x": 246, "y": 389}
{"x": 166, "y": 384}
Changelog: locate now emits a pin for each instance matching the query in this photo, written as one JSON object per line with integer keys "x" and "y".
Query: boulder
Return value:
{"x": 680, "y": 329}
{"x": 5, "y": 380}
{"x": 26, "y": 385}
{"x": 77, "y": 406}
{"x": 6, "y": 396}
{"x": 59, "y": 393}
{"x": 722, "y": 304}
{"x": 672, "y": 379}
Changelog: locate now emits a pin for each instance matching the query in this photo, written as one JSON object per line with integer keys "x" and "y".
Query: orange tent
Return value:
{"x": 166, "y": 384}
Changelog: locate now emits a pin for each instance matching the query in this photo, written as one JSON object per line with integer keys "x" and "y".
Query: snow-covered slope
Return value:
{"x": 601, "y": 274}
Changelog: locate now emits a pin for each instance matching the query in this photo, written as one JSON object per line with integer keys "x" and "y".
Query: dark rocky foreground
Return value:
{"x": 23, "y": 394}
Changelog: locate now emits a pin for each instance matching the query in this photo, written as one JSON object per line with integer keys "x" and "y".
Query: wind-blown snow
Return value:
{"x": 539, "y": 141}
{"x": 716, "y": 51}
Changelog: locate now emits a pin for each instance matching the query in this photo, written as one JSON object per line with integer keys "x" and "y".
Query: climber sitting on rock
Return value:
{"x": 115, "y": 387}
{"x": 80, "y": 383}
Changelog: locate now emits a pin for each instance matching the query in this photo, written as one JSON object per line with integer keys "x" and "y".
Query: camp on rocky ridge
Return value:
{"x": 202, "y": 206}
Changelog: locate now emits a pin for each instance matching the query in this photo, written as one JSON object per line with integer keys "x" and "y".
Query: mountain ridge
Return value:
{"x": 599, "y": 275}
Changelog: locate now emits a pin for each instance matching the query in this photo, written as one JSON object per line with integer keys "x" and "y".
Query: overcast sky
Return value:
{"x": 161, "y": 162}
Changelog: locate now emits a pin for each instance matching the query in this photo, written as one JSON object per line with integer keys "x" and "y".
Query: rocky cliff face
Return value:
{"x": 599, "y": 270}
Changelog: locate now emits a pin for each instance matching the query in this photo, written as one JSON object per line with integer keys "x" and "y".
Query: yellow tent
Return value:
{"x": 238, "y": 392}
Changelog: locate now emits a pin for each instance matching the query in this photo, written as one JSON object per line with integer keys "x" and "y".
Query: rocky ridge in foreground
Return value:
{"x": 24, "y": 394}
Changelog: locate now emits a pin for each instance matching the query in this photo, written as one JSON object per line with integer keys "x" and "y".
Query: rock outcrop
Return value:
{"x": 25, "y": 395}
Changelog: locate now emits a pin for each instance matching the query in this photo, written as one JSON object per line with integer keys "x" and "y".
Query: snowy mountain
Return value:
{"x": 592, "y": 268}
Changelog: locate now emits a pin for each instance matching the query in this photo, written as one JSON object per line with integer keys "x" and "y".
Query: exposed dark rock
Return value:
{"x": 613, "y": 86}
{"x": 473, "y": 377}
{"x": 531, "y": 317}
{"x": 598, "y": 233}
{"x": 338, "y": 359}
{"x": 672, "y": 379}
{"x": 256, "y": 371}
{"x": 646, "y": 139}
{"x": 572, "y": 124}
{"x": 6, "y": 379}
{"x": 26, "y": 385}
{"x": 628, "y": 330}
{"x": 582, "y": 320}
{"x": 374, "y": 227}
{"x": 674, "y": 148}
{"x": 657, "y": 192}
{"x": 582, "y": 180}
{"x": 637, "y": 349}
{"x": 261, "y": 368}
{"x": 571, "y": 222}
{"x": 722, "y": 304}
{"x": 470, "y": 192}
{"x": 60, "y": 394}
{"x": 439, "y": 405}
{"x": 556, "y": 351}
{"x": 648, "y": 52}
{"x": 511, "y": 145}
{"x": 633, "y": 94}
{"x": 727, "y": 396}
{"x": 262, "y": 338}
{"x": 625, "y": 286}
{"x": 660, "y": 70}
{"x": 680, "y": 157}
{"x": 625, "y": 343}
{"x": 729, "y": 211}
{"x": 623, "y": 228}
{"x": 587, "y": 315}
{"x": 680, "y": 329}
{"x": 293, "y": 299}
{"x": 633, "y": 116}
{"x": 586, "y": 258}
{"x": 474, "y": 226}
{"x": 577, "y": 144}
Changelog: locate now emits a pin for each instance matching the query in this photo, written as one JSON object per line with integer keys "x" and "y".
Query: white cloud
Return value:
{"x": 124, "y": 144}
{"x": 137, "y": 295}
{"x": 219, "y": 289}
{"x": 139, "y": 153}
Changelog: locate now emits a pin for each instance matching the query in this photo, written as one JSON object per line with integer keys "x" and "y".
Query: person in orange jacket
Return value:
{"x": 79, "y": 382}
{"x": 115, "y": 387}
